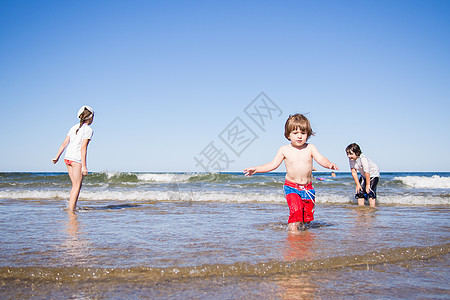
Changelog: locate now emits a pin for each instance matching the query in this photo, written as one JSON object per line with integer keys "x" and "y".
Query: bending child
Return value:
{"x": 369, "y": 173}
{"x": 298, "y": 157}
{"x": 77, "y": 141}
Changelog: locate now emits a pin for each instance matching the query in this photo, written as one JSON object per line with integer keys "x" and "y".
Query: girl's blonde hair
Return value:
{"x": 297, "y": 121}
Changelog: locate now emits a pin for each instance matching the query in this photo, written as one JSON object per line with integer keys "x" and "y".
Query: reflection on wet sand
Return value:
{"x": 365, "y": 216}
{"x": 75, "y": 246}
{"x": 297, "y": 286}
{"x": 298, "y": 245}
{"x": 364, "y": 219}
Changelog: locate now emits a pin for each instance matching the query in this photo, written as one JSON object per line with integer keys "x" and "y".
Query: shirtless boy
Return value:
{"x": 298, "y": 157}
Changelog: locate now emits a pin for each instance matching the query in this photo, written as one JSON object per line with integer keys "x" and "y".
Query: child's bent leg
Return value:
{"x": 373, "y": 191}
{"x": 76, "y": 177}
{"x": 361, "y": 201}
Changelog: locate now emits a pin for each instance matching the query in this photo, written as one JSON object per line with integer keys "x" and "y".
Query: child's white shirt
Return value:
{"x": 73, "y": 151}
{"x": 365, "y": 165}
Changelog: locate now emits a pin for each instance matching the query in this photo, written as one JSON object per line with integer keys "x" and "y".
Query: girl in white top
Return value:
{"x": 76, "y": 141}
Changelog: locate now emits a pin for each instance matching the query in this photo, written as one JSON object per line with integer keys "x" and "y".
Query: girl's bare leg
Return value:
{"x": 361, "y": 202}
{"x": 372, "y": 202}
{"x": 76, "y": 177}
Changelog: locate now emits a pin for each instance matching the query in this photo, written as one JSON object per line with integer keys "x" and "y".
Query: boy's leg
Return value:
{"x": 293, "y": 226}
{"x": 308, "y": 210}
{"x": 373, "y": 193}
{"x": 76, "y": 177}
{"x": 360, "y": 195}
{"x": 295, "y": 204}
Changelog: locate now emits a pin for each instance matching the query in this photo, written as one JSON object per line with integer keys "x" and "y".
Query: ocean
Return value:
{"x": 221, "y": 235}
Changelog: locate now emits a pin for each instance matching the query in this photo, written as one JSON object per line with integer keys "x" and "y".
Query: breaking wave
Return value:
{"x": 433, "y": 182}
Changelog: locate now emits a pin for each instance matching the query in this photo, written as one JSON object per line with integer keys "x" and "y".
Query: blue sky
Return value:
{"x": 168, "y": 78}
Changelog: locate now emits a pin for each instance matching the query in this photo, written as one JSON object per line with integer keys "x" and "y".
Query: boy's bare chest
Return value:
{"x": 293, "y": 156}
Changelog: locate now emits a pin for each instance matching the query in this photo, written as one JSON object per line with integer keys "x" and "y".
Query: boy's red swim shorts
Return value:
{"x": 301, "y": 199}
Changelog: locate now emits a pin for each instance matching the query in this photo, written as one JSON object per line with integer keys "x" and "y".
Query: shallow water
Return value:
{"x": 209, "y": 249}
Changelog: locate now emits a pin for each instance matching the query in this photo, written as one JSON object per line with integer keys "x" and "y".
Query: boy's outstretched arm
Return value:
{"x": 275, "y": 163}
{"x": 322, "y": 160}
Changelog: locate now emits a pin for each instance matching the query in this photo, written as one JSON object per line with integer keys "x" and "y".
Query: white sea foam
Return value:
{"x": 434, "y": 182}
{"x": 150, "y": 177}
{"x": 110, "y": 175}
{"x": 413, "y": 200}
{"x": 164, "y": 177}
{"x": 143, "y": 196}
{"x": 34, "y": 194}
{"x": 174, "y": 195}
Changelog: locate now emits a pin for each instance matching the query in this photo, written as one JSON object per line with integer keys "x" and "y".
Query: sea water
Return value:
{"x": 221, "y": 235}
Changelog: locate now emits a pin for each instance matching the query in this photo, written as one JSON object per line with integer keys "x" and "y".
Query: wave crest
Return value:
{"x": 433, "y": 182}
{"x": 210, "y": 196}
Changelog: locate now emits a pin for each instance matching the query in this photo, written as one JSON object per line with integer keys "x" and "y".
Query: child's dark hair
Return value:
{"x": 84, "y": 116}
{"x": 353, "y": 148}
{"x": 297, "y": 121}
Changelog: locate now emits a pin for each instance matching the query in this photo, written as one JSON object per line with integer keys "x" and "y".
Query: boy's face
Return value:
{"x": 352, "y": 156}
{"x": 298, "y": 138}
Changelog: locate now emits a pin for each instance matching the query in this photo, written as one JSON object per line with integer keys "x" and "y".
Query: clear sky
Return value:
{"x": 171, "y": 81}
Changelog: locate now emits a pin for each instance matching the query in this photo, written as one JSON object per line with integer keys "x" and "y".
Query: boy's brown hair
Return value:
{"x": 297, "y": 121}
{"x": 353, "y": 148}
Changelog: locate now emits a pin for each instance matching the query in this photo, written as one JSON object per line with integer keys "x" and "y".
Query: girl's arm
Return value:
{"x": 84, "y": 145}
{"x": 275, "y": 163}
{"x": 322, "y": 160}
{"x": 61, "y": 149}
